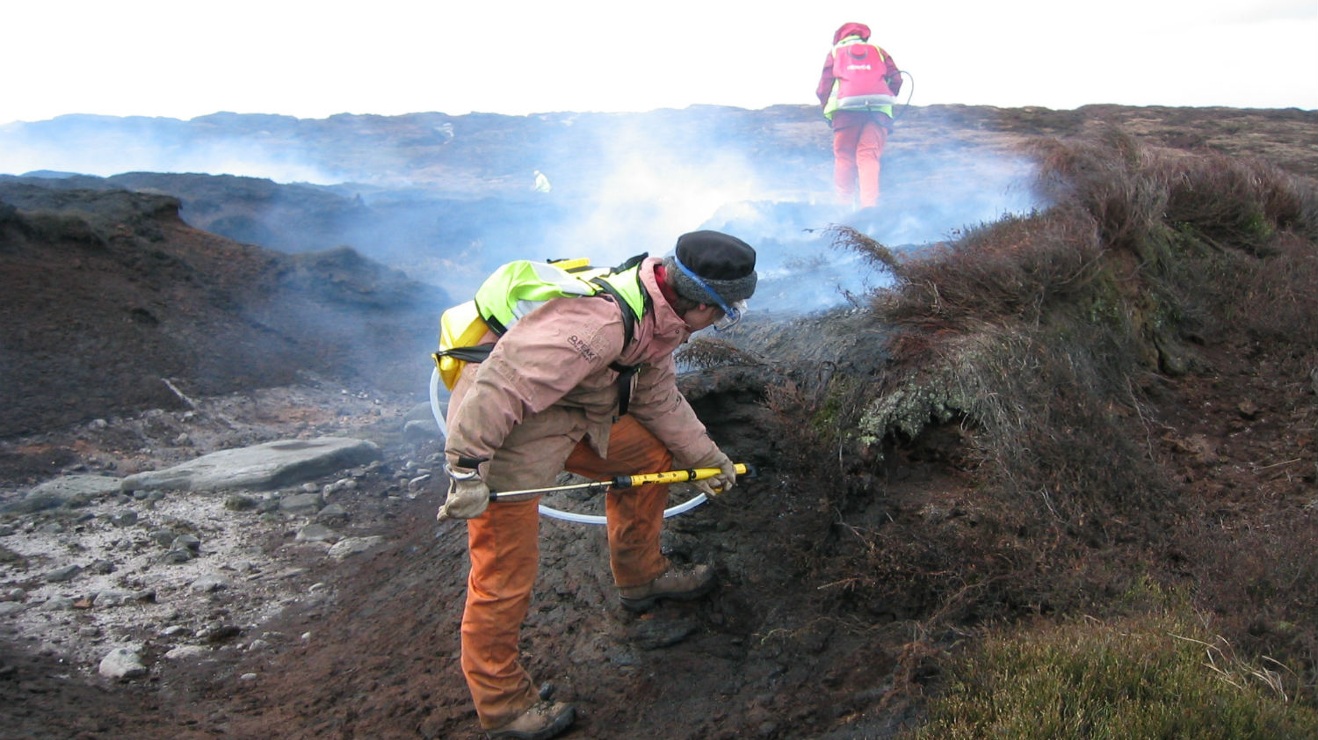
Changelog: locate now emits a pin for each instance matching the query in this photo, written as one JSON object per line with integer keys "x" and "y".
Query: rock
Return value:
{"x": 8, "y": 608}
{"x": 421, "y": 431}
{"x": 187, "y": 652}
{"x": 209, "y": 583}
{"x": 105, "y": 599}
{"x": 422, "y": 412}
{"x": 239, "y": 502}
{"x": 186, "y": 542}
{"x": 332, "y": 514}
{"x": 122, "y": 663}
{"x": 70, "y": 490}
{"x": 61, "y": 575}
{"x": 124, "y": 518}
{"x": 10, "y": 557}
{"x": 217, "y": 633}
{"x": 163, "y": 536}
{"x": 177, "y": 556}
{"x": 58, "y": 604}
{"x": 316, "y": 533}
{"x": 102, "y": 567}
{"x": 653, "y": 634}
{"x": 340, "y": 485}
{"x": 261, "y": 467}
{"x": 353, "y": 545}
{"x": 301, "y": 503}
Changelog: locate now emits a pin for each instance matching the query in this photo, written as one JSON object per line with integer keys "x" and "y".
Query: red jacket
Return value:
{"x": 827, "y": 80}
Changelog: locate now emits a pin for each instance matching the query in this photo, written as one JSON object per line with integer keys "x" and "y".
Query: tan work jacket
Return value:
{"x": 547, "y": 385}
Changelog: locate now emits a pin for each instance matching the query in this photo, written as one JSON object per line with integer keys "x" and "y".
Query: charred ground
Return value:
{"x": 1164, "y": 429}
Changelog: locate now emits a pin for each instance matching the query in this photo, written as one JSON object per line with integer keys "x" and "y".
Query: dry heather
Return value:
{"x": 1044, "y": 364}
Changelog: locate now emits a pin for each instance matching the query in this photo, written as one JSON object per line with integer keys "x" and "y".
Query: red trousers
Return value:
{"x": 858, "y": 140}
{"x": 505, "y": 550}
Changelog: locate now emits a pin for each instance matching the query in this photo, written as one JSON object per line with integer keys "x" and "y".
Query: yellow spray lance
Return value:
{"x": 623, "y": 481}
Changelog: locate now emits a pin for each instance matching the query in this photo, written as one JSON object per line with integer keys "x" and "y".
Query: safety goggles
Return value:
{"x": 731, "y": 316}
{"x": 731, "y": 313}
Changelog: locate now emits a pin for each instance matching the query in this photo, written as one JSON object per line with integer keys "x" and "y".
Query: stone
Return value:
{"x": 122, "y": 663}
{"x": 187, "y": 652}
{"x": 239, "y": 502}
{"x": 261, "y": 467}
{"x": 353, "y": 546}
{"x": 187, "y": 542}
{"x": 301, "y": 503}
{"x": 69, "y": 490}
{"x": 332, "y": 514}
{"x": 112, "y": 598}
{"x": 60, "y": 575}
{"x": 315, "y": 533}
{"x": 8, "y": 608}
{"x": 210, "y": 583}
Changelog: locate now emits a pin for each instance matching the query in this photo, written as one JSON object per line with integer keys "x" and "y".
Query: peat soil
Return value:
{"x": 769, "y": 654}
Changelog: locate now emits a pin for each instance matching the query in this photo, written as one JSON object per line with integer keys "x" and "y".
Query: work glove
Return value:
{"x": 467, "y": 495}
{"x": 727, "y": 477}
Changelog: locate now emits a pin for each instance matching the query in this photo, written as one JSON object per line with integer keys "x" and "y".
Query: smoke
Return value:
{"x": 647, "y": 186}
{"x": 448, "y": 200}
{"x": 640, "y": 196}
{"x": 926, "y": 199}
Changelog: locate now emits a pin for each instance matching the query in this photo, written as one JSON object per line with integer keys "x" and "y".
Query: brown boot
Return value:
{"x": 679, "y": 582}
{"x": 543, "y": 720}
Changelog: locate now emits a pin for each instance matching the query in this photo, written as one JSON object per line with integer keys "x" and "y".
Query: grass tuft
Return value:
{"x": 1161, "y": 675}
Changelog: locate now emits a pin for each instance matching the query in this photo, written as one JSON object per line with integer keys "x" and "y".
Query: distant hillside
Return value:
{"x": 484, "y": 154}
{"x": 112, "y": 304}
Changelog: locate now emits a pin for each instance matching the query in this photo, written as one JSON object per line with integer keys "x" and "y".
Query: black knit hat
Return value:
{"x": 725, "y": 263}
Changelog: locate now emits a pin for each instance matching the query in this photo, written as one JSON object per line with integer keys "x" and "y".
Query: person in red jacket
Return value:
{"x": 856, "y": 91}
{"x": 547, "y": 399}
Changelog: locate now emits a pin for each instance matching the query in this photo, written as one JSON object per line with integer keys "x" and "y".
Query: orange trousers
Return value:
{"x": 858, "y": 143}
{"x": 504, "y": 547}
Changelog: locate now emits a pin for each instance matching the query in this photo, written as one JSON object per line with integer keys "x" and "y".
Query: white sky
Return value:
{"x": 181, "y": 58}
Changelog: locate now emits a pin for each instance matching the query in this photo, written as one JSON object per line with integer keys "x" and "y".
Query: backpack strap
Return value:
{"x": 628, "y": 315}
{"x": 625, "y": 375}
{"x": 625, "y": 372}
{"x": 476, "y": 353}
{"x": 629, "y": 318}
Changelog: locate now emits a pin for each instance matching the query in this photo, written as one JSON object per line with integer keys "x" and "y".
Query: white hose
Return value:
{"x": 550, "y": 512}
{"x": 434, "y": 403}
{"x": 568, "y": 516}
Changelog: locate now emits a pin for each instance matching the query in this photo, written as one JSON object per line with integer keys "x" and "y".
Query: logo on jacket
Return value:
{"x": 582, "y": 348}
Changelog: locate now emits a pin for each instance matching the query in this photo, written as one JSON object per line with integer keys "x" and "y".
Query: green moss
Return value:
{"x": 935, "y": 397}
